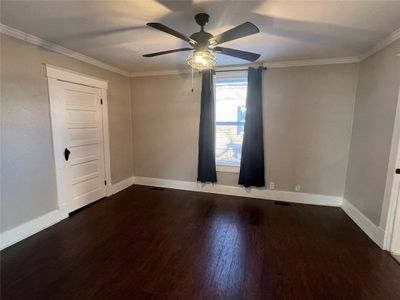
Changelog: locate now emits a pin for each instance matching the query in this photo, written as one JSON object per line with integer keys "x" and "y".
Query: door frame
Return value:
{"x": 57, "y": 114}
{"x": 390, "y": 213}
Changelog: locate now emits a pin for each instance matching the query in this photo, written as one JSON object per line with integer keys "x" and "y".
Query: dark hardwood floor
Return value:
{"x": 150, "y": 244}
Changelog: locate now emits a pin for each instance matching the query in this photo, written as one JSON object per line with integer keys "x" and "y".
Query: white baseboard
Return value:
{"x": 295, "y": 197}
{"x": 376, "y": 233}
{"x": 29, "y": 228}
{"x": 119, "y": 186}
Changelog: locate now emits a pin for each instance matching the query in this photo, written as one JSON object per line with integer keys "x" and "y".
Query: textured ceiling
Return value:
{"x": 114, "y": 31}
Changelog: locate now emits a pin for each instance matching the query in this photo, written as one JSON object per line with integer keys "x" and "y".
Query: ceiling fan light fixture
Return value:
{"x": 202, "y": 60}
{"x": 205, "y": 44}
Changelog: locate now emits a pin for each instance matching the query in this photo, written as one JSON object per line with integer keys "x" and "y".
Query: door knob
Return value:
{"x": 397, "y": 171}
{"x": 66, "y": 153}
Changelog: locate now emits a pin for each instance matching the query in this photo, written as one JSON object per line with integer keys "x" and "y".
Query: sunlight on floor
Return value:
{"x": 227, "y": 252}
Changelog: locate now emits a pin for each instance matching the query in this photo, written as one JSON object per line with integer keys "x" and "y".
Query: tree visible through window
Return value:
{"x": 230, "y": 117}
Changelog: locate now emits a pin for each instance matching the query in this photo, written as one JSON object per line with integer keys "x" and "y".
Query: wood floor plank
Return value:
{"x": 167, "y": 244}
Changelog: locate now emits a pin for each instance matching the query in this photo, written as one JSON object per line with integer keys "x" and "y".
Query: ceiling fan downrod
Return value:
{"x": 202, "y": 19}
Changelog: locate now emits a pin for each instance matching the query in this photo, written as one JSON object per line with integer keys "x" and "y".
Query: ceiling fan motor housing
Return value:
{"x": 202, "y": 19}
{"x": 202, "y": 38}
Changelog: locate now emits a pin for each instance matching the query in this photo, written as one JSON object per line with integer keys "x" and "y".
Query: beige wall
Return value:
{"x": 307, "y": 115}
{"x": 165, "y": 126}
{"x": 28, "y": 184}
{"x": 374, "y": 114}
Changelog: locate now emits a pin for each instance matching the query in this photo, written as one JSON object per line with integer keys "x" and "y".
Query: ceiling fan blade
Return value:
{"x": 237, "y": 32}
{"x": 170, "y": 31}
{"x": 167, "y": 52}
{"x": 250, "y": 56}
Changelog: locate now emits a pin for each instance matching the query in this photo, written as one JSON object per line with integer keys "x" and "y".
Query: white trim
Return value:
{"x": 395, "y": 241}
{"x": 294, "y": 197}
{"x": 106, "y": 142}
{"x": 395, "y": 35}
{"x": 312, "y": 62}
{"x": 55, "y": 76}
{"x": 374, "y": 232}
{"x": 161, "y": 73}
{"x": 74, "y": 77}
{"x": 123, "y": 184}
{"x": 189, "y": 71}
{"x": 29, "y": 228}
{"x": 25, "y": 230}
{"x": 278, "y": 64}
{"x": 388, "y": 212}
{"x": 57, "y": 48}
{"x": 269, "y": 65}
{"x": 228, "y": 169}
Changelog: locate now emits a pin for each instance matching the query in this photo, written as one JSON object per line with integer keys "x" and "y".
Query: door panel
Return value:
{"x": 76, "y": 118}
{"x": 83, "y": 136}
{"x": 80, "y": 98}
{"x": 85, "y": 171}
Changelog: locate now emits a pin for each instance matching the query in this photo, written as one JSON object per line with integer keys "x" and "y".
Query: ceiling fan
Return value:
{"x": 204, "y": 44}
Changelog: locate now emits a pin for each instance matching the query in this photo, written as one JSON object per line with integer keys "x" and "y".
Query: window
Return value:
{"x": 230, "y": 117}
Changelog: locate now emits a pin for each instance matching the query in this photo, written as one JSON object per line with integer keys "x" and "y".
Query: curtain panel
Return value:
{"x": 206, "y": 169}
{"x": 252, "y": 161}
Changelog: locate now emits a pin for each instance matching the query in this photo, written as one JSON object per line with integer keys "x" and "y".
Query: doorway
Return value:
{"x": 78, "y": 106}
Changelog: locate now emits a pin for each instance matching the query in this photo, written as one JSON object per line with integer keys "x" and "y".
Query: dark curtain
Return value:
{"x": 252, "y": 161}
{"x": 206, "y": 170}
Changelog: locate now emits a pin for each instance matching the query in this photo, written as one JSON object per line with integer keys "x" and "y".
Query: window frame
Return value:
{"x": 225, "y": 75}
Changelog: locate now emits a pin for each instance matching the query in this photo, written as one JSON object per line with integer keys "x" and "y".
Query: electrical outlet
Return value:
{"x": 297, "y": 188}
{"x": 271, "y": 185}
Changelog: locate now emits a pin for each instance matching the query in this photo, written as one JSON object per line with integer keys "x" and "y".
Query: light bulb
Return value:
{"x": 202, "y": 60}
{"x": 199, "y": 58}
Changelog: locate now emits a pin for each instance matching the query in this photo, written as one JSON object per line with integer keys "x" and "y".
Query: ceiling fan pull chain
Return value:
{"x": 211, "y": 87}
{"x": 192, "y": 80}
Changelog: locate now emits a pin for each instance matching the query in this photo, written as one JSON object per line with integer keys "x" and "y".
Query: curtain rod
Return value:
{"x": 235, "y": 70}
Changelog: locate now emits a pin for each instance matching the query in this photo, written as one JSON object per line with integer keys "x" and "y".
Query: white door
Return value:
{"x": 393, "y": 218}
{"x": 84, "y": 173}
{"x": 395, "y": 243}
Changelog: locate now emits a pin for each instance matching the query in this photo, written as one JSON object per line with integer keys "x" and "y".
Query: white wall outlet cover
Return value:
{"x": 298, "y": 188}
{"x": 272, "y": 185}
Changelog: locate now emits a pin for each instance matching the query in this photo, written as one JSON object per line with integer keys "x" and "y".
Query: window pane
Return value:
{"x": 230, "y": 117}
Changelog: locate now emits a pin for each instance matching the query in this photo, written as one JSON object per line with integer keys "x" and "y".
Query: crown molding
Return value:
{"x": 188, "y": 70}
{"x": 57, "y": 48}
{"x": 312, "y": 62}
{"x": 161, "y": 73}
{"x": 269, "y": 65}
{"x": 276, "y": 64}
{"x": 395, "y": 35}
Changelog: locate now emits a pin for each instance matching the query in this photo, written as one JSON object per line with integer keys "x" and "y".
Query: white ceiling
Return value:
{"x": 290, "y": 30}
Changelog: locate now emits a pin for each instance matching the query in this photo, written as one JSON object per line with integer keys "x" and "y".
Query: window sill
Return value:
{"x": 228, "y": 169}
